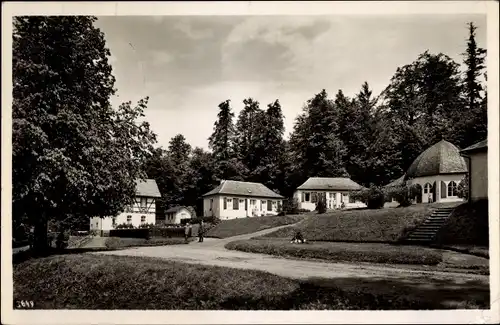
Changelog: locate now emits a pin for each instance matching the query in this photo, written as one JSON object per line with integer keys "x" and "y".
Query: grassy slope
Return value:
{"x": 235, "y": 227}
{"x": 381, "y": 225}
{"x": 468, "y": 225}
{"x": 347, "y": 252}
{"x": 119, "y": 282}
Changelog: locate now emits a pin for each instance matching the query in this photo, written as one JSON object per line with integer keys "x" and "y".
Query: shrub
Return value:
{"x": 463, "y": 188}
{"x": 124, "y": 226}
{"x": 403, "y": 194}
{"x": 321, "y": 204}
{"x": 291, "y": 206}
{"x": 373, "y": 197}
{"x": 130, "y": 233}
{"x": 167, "y": 232}
{"x": 147, "y": 225}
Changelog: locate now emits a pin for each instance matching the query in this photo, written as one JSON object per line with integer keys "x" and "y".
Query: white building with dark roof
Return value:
{"x": 335, "y": 189}
{"x": 174, "y": 215}
{"x": 142, "y": 211}
{"x": 437, "y": 172}
{"x": 235, "y": 199}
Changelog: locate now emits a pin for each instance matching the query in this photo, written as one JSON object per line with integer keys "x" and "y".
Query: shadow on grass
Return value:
{"x": 371, "y": 294}
{"x": 29, "y": 254}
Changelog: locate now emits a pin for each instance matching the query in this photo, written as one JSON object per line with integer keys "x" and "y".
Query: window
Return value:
{"x": 129, "y": 219}
{"x": 143, "y": 219}
{"x": 452, "y": 189}
{"x": 314, "y": 197}
{"x": 351, "y": 199}
{"x": 269, "y": 205}
{"x": 262, "y": 205}
{"x": 331, "y": 195}
{"x": 252, "y": 202}
{"x": 308, "y": 197}
{"x": 144, "y": 202}
{"x": 236, "y": 204}
{"x": 427, "y": 188}
{"x": 225, "y": 203}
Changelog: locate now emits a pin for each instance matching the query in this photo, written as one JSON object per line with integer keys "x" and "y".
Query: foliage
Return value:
{"x": 117, "y": 243}
{"x": 146, "y": 225}
{"x": 373, "y": 197}
{"x": 341, "y": 252}
{"x": 463, "y": 188}
{"x": 130, "y": 233}
{"x": 73, "y": 154}
{"x": 403, "y": 194}
{"x": 124, "y": 226}
{"x": 321, "y": 203}
{"x": 291, "y": 205}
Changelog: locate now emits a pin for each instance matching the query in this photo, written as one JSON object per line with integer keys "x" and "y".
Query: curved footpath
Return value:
{"x": 212, "y": 252}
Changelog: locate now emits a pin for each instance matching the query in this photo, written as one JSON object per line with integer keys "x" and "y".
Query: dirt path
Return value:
{"x": 212, "y": 252}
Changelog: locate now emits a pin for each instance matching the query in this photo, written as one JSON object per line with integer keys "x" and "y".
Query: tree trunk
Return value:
{"x": 40, "y": 240}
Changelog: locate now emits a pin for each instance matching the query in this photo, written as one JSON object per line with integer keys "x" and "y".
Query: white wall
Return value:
{"x": 175, "y": 218}
{"x": 447, "y": 178}
{"x": 479, "y": 176}
{"x": 144, "y": 207}
{"x": 333, "y": 200}
{"x": 255, "y": 207}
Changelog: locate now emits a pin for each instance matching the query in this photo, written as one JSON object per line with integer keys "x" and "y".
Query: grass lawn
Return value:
{"x": 467, "y": 225}
{"x": 117, "y": 242}
{"x": 235, "y": 227}
{"x": 377, "y": 225}
{"x": 86, "y": 281}
{"x": 341, "y": 252}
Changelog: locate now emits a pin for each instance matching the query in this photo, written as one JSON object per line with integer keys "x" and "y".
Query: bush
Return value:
{"x": 167, "y": 232}
{"x": 130, "y": 233}
{"x": 403, "y": 194}
{"x": 321, "y": 204}
{"x": 199, "y": 219}
{"x": 291, "y": 206}
{"x": 125, "y": 226}
{"x": 147, "y": 225}
{"x": 373, "y": 197}
{"x": 463, "y": 188}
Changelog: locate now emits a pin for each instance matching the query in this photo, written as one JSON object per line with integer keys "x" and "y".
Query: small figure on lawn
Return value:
{"x": 429, "y": 199}
{"x": 298, "y": 238}
{"x": 342, "y": 206}
{"x": 200, "y": 231}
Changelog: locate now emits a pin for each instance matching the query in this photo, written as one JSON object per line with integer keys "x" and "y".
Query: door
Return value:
{"x": 246, "y": 207}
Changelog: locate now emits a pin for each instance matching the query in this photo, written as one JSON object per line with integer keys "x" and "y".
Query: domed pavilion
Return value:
{"x": 437, "y": 171}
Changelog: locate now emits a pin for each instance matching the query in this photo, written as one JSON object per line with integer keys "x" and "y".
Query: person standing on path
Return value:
{"x": 186, "y": 231}
{"x": 201, "y": 229}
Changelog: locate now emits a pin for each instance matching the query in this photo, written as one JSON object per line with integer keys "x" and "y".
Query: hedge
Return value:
{"x": 130, "y": 233}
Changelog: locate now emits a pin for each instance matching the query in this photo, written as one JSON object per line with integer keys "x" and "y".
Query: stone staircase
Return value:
{"x": 426, "y": 233}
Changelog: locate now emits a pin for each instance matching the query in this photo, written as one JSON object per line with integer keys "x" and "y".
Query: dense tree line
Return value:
{"x": 74, "y": 156}
{"x": 370, "y": 138}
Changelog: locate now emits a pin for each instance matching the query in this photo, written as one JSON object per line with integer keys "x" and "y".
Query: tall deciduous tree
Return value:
{"x": 315, "y": 145}
{"x": 73, "y": 155}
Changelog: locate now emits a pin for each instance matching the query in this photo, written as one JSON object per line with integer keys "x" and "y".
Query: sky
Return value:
{"x": 188, "y": 65}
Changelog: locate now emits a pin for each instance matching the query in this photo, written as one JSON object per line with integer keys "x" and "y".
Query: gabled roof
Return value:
{"x": 175, "y": 209}
{"x": 330, "y": 183}
{"x": 244, "y": 189}
{"x": 441, "y": 158}
{"x": 477, "y": 147}
{"x": 147, "y": 188}
{"x": 397, "y": 182}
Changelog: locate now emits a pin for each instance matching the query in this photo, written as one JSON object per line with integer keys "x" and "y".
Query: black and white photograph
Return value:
{"x": 157, "y": 160}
